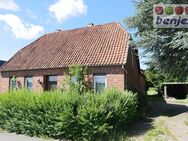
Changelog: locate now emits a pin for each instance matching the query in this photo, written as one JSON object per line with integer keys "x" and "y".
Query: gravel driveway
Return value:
{"x": 176, "y": 120}
{"x": 177, "y": 124}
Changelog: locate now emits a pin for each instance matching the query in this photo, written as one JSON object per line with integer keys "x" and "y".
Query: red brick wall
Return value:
{"x": 4, "y": 84}
{"x": 115, "y": 77}
{"x": 20, "y": 82}
{"x": 116, "y": 80}
{"x": 38, "y": 82}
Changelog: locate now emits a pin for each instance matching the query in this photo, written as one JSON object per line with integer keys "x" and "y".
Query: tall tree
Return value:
{"x": 157, "y": 77}
{"x": 168, "y": 48}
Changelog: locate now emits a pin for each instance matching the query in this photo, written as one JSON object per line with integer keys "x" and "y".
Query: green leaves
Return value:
{"x": 68, "y": 115}
{"x": 77, "y": 74}
{"x": 168, "y": 48}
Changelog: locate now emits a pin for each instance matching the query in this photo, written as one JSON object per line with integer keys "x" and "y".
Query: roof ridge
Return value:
{"x": 84, "y": 27}
{"x": 98, "y": 45}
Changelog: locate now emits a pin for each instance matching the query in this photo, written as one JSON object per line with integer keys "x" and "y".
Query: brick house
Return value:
{"x": 104, "y": 49}
{"x": 1, "y": 63}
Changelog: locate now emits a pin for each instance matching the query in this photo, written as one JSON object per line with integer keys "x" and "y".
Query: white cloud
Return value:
{"x": 9, "y": 5}
{"x": 64, "y": 9}
{"x": 20, "y": 29}
{"x": 31, "y": 14}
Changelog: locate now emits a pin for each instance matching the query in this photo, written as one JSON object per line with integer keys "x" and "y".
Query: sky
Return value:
{"x": 23, "y": 21}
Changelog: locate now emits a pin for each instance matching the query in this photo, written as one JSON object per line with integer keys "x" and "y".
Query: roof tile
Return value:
{"x": 89, "y": 46}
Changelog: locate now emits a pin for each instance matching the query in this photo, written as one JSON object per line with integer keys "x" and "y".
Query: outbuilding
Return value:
{"x": 178, "y": 90}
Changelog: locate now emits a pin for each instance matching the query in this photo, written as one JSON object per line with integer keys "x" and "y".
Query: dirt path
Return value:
{"x": 178, "y": 125}
{"x": 172, "y": 116}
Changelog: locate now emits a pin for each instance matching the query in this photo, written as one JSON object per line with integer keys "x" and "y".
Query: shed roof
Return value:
{"x": 175, "y": 83}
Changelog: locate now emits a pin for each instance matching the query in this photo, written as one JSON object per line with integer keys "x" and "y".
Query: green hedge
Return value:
{"x": 68, "y": 115}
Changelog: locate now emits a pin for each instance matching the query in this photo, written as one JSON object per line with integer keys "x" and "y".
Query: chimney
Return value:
{"x": 58, "y": 30}
{"x": 90, "y": 25}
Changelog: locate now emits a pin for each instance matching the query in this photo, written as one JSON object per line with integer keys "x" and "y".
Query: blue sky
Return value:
{"x": 23, "y": 21}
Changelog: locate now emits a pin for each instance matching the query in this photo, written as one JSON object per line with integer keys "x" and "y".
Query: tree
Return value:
{"x": 168, "y": 47}
{"x": 157, "y": 77}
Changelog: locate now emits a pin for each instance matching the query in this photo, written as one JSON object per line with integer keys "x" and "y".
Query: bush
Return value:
{"x": 30, "y": 113}
{"x": 69, "y": 115}
{"x": 75, "y": 81}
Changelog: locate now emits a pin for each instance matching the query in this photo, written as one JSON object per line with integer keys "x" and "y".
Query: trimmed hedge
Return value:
{"x": 69, "y": 115}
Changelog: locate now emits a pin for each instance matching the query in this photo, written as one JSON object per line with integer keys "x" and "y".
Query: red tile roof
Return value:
{"x": 98, "y": 45}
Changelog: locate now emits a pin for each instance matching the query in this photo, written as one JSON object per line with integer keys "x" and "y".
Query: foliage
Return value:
{"x": 152, "y": 91}
{"x": 167, "y": 48}
{"x": 157, "y": 77}
{"x": 76, "y": 79}
{"x": 30, "y": 113}
{"x": 142, "y": 105}
{"x": 68, "y": 115}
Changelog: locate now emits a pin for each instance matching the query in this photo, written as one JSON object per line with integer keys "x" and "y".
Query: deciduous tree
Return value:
{"x": 168, "y": 48}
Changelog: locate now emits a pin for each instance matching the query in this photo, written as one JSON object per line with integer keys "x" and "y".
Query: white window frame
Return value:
{"x": 74, "y": 79}
{"x": 99, "y": 76}
{"x": 11, "y": 84}
{"x": 48, "y": 81}
{"x": 26, "y": 82}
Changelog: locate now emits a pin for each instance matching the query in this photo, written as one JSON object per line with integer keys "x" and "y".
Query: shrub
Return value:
{"x": 75, "y": 81}
{"x": 30, "y": 113}
{"x": 70, "y": 115}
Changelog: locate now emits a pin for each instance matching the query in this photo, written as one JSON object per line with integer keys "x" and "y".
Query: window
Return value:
{"x": 99, "y": 83}
{"x": 28, "y": 83}
{"x": 12, "y": 83}
{"x": 51, "y": 82}
{"x": 74, "y": 80}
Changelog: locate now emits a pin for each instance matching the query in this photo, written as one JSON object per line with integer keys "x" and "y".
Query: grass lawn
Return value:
{"x": 152, "y": 91}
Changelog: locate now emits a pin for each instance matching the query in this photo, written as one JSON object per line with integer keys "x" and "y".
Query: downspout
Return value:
{"x": 126, "y": 74}
{"x": 123, "y": 66}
